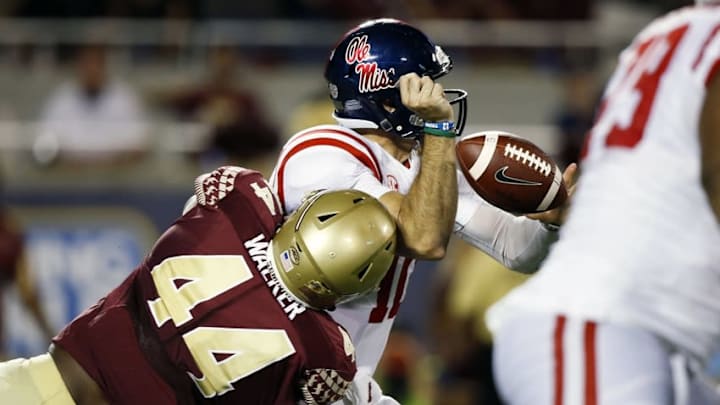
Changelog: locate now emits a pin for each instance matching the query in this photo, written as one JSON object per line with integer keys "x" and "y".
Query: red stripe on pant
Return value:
{"x": 558, "y": 336}
{"x": 590, "y": 353}
{"x": 589, "y": 335}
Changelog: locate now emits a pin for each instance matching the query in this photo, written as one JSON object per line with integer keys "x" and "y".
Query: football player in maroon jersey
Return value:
{"x": 228, "y": 306}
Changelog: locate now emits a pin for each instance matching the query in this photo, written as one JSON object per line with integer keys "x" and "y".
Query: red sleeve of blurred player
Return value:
{"x": 11, "y": 245}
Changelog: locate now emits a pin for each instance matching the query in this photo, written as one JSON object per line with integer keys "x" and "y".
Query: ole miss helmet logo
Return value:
{"x": 372, "y": 78}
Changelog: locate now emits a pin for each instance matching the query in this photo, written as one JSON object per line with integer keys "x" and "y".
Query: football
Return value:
{"x": 511, "y": 172}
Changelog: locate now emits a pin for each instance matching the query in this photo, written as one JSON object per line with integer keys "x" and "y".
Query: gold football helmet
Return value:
{"x": 336, "y": 246}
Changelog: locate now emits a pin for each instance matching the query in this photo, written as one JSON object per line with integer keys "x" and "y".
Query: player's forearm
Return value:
{"x": 519, "y": 243}
{"x": 427, "y": 213}
{"x": 527, "y": 245}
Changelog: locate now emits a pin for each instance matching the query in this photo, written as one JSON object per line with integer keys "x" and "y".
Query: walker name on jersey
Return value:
{"x": 257, "y": 247}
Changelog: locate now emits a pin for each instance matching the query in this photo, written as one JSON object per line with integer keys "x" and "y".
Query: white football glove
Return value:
{"x": 364, "y": 390}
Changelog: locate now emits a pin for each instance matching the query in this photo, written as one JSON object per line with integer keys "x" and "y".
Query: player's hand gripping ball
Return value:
{"x": 511, "y": 172}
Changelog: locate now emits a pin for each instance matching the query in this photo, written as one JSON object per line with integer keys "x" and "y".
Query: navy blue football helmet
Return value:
{"x": 363, "y": 70}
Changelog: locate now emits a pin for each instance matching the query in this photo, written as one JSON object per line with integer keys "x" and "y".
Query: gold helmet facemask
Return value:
{"x": 336, "y": 246}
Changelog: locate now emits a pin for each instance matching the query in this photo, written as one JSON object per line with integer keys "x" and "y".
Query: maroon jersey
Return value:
{"x": 204, "y": 318}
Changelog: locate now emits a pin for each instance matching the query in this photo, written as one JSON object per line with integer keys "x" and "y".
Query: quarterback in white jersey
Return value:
{"x": 377, "y": 149}
{"x": 628, "y": 299}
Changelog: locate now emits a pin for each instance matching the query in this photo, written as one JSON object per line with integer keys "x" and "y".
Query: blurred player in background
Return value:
{"x": 625, "y": 309}
{"x": 223, "y": 307}
{"x": 240, "y": 130}
{"x": 92, "y": 119}
{"x": 395, "y": 140}
{"x": 14, "y": 270}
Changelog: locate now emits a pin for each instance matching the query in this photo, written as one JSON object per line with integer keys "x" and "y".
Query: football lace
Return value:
{"x": 528, "y": 158}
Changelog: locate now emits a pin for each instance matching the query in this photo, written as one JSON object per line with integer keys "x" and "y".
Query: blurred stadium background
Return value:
{"x": 110, "y": 108}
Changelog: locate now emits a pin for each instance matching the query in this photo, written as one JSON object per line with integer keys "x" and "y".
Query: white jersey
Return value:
{"x": 641, "y": 245}
{"x": 334, "y": 157}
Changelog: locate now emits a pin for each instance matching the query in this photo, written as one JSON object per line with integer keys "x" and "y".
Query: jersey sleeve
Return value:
{"x": 519, "y": 243}
{"x": 468, "y": 201}
{"x": 321, "y": 167}
{"x": 707, "y": 64}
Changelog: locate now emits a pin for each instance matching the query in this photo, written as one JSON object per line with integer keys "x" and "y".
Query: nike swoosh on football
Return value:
{"x": 501, "y": 177}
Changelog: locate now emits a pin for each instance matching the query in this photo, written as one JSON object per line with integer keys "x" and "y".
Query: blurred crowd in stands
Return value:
{"x": 100, "y": 119}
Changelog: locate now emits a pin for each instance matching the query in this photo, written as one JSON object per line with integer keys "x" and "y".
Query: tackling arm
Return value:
{"x": 710, "y": 144}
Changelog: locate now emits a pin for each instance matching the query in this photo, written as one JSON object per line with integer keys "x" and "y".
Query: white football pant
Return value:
{"x": 557, "y": 360}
